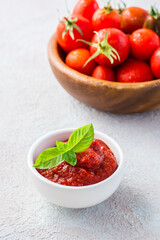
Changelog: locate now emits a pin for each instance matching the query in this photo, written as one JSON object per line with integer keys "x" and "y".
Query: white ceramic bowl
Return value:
{"x": 68, "y": 196}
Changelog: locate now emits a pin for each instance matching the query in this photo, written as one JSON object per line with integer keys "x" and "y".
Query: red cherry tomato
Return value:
{"x": 133, "y": 18}
{"x": 155, "y": 63}
{"x": 132, "y": 71}
{"x": 77, "y": 58}
{"x": 67, "y": 33}
{"x": 143, "y": 43}
{"x": 104, "y": 73}
{"x": 85, "y": 8}
{"x": 106, "y": 18}
{"x": 117, "y": 40}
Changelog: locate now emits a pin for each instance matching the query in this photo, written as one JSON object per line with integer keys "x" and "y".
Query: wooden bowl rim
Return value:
{"x": 57, "y": 61}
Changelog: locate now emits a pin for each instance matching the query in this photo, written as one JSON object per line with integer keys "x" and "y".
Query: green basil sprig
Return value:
{"x": 78, "y": 141}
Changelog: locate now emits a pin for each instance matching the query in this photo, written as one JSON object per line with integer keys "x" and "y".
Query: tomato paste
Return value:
{"x": 93, "y": 165}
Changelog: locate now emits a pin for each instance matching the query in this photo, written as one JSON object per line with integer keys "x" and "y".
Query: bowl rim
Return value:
{"x": 57, "y": 61}
{"x": 79, "y": 188}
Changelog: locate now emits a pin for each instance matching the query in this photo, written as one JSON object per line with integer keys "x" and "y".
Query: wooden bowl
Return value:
{"x": 103, "y": 95}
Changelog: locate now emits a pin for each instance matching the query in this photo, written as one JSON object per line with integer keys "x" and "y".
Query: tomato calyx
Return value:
{"x": 102, "y": 48}
{"x": 154, "y": 12}
{"x": 108, "y": 8}
{"x": 70, "y": 25}
{"x": 121, "y": 8}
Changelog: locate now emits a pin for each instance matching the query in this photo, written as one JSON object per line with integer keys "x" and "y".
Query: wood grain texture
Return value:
{"x": 103, "y": 95}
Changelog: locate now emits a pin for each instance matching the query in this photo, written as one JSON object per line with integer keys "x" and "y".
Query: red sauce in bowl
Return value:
{"x": 93, "y": 165}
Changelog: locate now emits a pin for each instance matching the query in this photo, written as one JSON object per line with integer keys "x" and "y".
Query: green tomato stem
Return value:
{"x": 102, "y": 48}
{"x": 70, "y": 25}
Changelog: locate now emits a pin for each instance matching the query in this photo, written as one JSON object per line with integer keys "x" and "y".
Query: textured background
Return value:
{"x": 32, "y": 103}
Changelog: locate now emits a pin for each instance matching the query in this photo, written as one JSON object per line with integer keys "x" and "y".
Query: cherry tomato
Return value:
{"x": 155, "y": 63}
{"x": 132, "y": 71}
{"x": 133, "y": 18}
{"x": 106, "y": 17}
{"x": 153, "y": 20}
{"x": 71, "y": 29}
{"x": 143, "y": 43}
{"x": 77, "y": 58}
{"x": 104, "y": 73}
{"x": 85, "y": 8}
{"x": 112, "y": 47}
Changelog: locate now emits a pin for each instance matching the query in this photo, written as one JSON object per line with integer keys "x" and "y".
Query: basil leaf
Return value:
{"x": 45, "y": 160}
{"x": 70, "y": 157}
{"x": 79, "y": 141}
{"x": 61, "y": 146}
{"x": 49, "y": 158}
{"x": 81, "y": 138}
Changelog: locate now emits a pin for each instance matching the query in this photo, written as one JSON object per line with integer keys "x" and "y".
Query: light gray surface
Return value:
{"x": 32, "y": 103}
